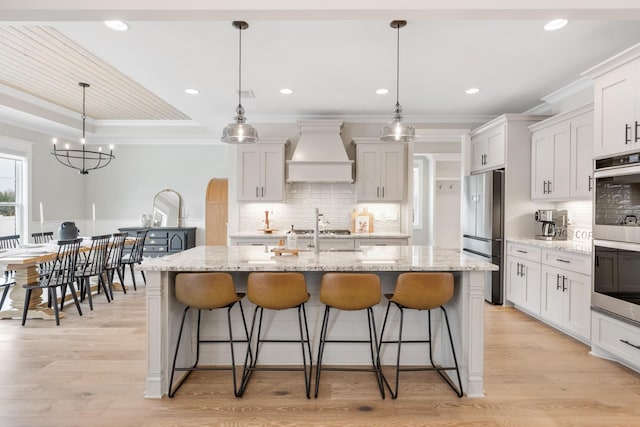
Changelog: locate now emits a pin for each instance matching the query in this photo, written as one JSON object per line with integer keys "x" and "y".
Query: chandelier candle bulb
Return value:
{"x": 41, "y": 215}
{"x": 94, "y": 212}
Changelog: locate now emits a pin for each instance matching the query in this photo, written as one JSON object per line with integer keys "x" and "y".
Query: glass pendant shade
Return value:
{"x": 397, "y": 131}
{"x": 239, "y": 132}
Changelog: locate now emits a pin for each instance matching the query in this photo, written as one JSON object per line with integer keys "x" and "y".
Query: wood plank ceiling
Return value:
{"x": 41, "y": 61}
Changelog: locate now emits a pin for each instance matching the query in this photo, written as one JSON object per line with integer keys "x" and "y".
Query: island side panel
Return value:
{"x": 156, "y": 333}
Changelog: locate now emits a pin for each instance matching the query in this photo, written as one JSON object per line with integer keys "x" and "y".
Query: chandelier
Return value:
{"x": 396, "y": 130}
{"x": 82, "y": 159}
{"x": 239, "y": 132}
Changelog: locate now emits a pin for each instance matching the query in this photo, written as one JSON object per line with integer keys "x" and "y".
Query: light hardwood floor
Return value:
{"x": 90, "y": 372}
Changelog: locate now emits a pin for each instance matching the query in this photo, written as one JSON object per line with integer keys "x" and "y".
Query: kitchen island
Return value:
{"x": 465, "y": 309}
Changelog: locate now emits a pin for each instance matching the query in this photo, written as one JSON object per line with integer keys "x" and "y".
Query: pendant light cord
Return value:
{"x": 398, "y": 68}
{"x": 84, "y": 116}
{"x": 240, "y": 65}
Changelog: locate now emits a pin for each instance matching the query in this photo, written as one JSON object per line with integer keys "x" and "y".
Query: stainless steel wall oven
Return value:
{"x": 616, "y": 236}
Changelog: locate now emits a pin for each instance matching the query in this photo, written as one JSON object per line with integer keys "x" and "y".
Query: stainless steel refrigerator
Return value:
{"x": 483, "y": 212}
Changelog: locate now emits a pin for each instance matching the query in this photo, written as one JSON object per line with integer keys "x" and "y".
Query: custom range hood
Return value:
{"x": 320, "y": 155}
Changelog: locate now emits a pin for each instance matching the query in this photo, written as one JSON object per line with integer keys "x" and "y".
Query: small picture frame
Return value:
{"x": 362, "y": 224}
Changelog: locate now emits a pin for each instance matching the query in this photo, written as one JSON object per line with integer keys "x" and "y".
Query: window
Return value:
{"x": 11, "y": 195}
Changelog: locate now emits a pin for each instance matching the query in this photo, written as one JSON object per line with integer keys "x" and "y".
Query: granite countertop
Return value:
{"x": 575, "y": 246}
{"x": 374, "y": 258}
{"x": 283, "y": 235}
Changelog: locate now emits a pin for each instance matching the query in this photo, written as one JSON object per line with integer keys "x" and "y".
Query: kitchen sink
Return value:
{"x": 337, "y": 232}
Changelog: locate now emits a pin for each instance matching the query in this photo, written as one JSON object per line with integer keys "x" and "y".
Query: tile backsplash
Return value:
{"x": 580, "y": 218}
{"x": 335, "y": 200}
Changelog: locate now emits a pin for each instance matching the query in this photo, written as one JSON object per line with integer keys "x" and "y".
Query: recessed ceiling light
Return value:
{"x": 192, "y": 91}
{"x": 382, "y": 91}
{"x": 286, "y": 91}
{"x": 117, "y": 25}
{"x": 472, "y": 91}
{"x": 555, "y": 24}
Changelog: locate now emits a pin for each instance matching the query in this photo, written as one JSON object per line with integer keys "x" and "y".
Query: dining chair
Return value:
{"x": 134, "y": 257}
{"x": 114, "y": 260}
{"x": 9, "y": 242}
{"x": 43, "y": 237}
{"x": 92, "y": 265}
{"x": 6, "y": 284}
{"x": 62, "y": 274}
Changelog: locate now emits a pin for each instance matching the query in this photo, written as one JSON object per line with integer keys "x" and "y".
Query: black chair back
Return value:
{"x": 44, "y": 237}
{"x": 138, "y": 247}
{"x": 9, "y": 242}
{"x": 114, "y": 258}
{"x": 96, "y": 260}
{"x": 64, "y": 266}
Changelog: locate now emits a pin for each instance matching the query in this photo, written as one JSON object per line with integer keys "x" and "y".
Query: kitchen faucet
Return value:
{"x": 316, "y": 240}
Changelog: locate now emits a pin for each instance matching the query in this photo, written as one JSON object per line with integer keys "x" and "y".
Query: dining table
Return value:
{"x": 23, "y": 261}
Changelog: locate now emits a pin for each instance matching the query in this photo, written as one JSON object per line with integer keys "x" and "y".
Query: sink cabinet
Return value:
{"x": 261, "y": 172}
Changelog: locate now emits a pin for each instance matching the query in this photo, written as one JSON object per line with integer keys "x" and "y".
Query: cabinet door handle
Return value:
{"x": 383, "y": 192}
{"x": 549, "y": 187}
{"x": 590, "y": 183}
{"x": 627, "y": 134}
{"x": 378, "y": 192}
{"x": 256, "y": 192}
{"x": 518, "y": 270}
{"x": 563, "y": 260}
{"x": 628, "y": 343}
{"x": 564, "y": 280}
{"x": 544, "y": 187}
{"x": 557, "y": 281}
{"x": 637, "y": 137}
{"x": 262, "y": 192}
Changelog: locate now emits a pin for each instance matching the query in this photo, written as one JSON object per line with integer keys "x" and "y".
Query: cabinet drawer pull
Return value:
{"x": 563, "y": 260}
{"x": 628, "y": 343}
{"x": 627, "y": 134}
{"x": 521, "y": 251}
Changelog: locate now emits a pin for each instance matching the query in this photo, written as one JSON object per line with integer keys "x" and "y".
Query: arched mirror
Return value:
{"x": 166, "y": 209}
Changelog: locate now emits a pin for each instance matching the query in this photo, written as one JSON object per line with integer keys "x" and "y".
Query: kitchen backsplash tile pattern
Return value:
{"x": 580, "y": 217}
{"x": 336, "y": 201}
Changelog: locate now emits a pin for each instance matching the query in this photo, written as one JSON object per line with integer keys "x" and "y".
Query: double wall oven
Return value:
{"x": 616, "y": 236}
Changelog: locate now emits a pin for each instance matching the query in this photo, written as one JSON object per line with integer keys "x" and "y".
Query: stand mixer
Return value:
{"x": 554, "y": 224}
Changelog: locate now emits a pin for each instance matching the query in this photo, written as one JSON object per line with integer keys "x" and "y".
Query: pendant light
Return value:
{"x": 396, "y": 131}
{"x": 239, "y": 132}
{"x": 83, "y": 160}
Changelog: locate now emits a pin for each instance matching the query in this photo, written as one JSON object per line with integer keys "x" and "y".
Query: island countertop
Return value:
{"x": 465, "y": 309}
{"x": 373, "y": 258}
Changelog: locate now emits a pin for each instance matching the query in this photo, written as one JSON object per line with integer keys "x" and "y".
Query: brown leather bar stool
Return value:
{"x": 277, "y": 291}
{"x": 207, "y": 291}
{"x": 350, "y": 292}
{"x": 422, "y": 291}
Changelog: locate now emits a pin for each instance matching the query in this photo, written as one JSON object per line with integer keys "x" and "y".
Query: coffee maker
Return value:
{"x": 554, "y": 224}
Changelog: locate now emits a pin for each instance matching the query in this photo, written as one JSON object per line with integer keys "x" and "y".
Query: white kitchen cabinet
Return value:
{"x": 615, "y": 339}
{"x": 523, "y": 277}
{"x": 551, "y": 285}
{"x": 380, "y": 172}
{"x": 261, "y": 172}
{"x": 566, "y": 301}
{"x": 561, "y": 161}
{"x": 387, "y": 241}
{"x": 488, "y": 149}
{"x": 617, "y": 104}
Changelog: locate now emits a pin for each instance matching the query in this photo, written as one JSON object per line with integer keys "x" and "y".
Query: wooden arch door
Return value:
{"x": 217, "y": 209}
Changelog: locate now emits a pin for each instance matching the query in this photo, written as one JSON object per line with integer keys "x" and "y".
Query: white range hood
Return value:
{"x": 320, "y": 155}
